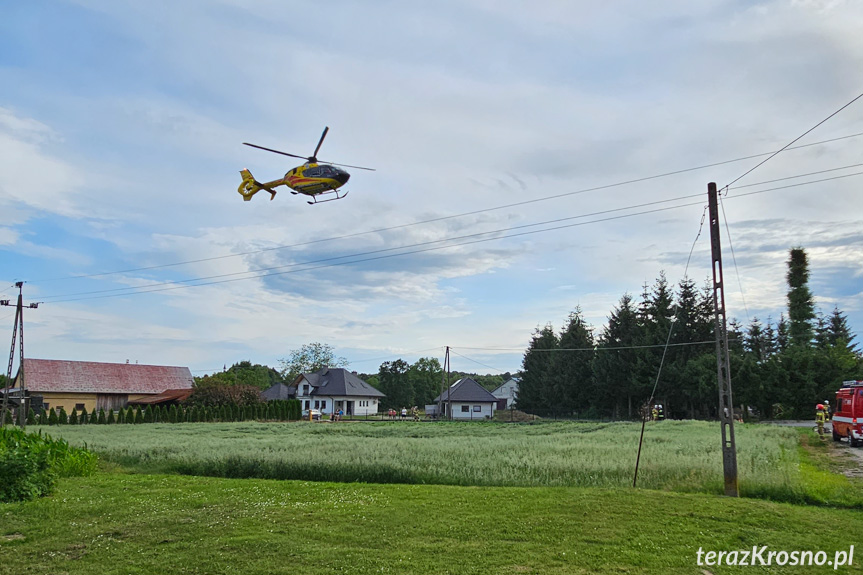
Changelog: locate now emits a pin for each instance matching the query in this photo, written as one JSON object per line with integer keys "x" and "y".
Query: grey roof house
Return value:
{"x": 332, "y": 389}
{"x": 466, "y": 399}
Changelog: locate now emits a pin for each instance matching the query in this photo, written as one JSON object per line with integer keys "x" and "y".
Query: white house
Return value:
{"x": 508, "y": 392}
{"x": 466, "y": 399}
{"x": 332, "y": 389}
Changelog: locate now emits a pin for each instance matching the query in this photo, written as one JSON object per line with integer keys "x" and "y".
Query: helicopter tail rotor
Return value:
{"x": 250, "y": 186}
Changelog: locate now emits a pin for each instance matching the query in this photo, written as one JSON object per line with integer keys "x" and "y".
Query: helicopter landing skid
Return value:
{"x": 315, "y": 199}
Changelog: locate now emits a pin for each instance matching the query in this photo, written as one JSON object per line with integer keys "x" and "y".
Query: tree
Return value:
{"x": 615, "y": 363}
{"x": 535, "y": 392}
{"x": 801, "y": 306}
{"x": 395, "y": 383}
{"x": 243, "y": 373}
{"x": 572, "y": 366}
{"x": 426, "y": 376}
{"x": 310, "y": 357}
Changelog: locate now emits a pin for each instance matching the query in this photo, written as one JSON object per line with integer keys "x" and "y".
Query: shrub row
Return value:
{"x": 270, "y": 411}
{"x": 30, "y": 464}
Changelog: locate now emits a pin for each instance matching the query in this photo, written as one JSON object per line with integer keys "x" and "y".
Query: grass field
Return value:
{"x": 132, "y": 518}
{"x": 114, "y": 523}
{"x": 678, "y": 456}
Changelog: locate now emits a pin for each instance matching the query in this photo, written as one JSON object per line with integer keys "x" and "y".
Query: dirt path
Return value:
{"x": 851, "y": 459}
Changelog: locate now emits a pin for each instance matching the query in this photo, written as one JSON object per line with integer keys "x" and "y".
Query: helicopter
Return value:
{"x": 314, "y": 178}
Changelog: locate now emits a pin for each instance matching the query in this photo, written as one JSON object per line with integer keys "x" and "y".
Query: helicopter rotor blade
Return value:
{"x": 274, "y": 151}
{"x": 347, "y": 166}
{"x": 321, "y": 141}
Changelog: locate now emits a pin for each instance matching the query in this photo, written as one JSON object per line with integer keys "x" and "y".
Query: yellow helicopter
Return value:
{"x": 314, "y": 178}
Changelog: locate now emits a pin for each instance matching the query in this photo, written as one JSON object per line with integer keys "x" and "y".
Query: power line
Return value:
{"x": 734, "y": 258}
{"x": 774, "y": 154}
{"x": 476, "y": 362}
{"x": 180, "y": 284}
{"x": 443, "y": 218}
{"x": 382, "y": 250}
{"x": 597, "y": 348}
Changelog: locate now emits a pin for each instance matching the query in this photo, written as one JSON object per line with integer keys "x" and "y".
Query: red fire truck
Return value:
{"x": 848, "y": 413}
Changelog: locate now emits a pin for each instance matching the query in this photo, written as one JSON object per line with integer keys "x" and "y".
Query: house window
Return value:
{"x": 477, "y": 408}
{"x": 465, "y": 409}
{"x": 79, "y": 407}
{"x": 305, "y": 390}
{"x": 323, "y": 405}
{"x": 317, "y": 404}
{"x": 307, "y": 404}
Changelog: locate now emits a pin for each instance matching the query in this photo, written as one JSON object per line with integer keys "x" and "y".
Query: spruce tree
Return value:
{"x": 63, "y": 418}
{"x": 535, "y": 392}
{"x": 73, "y": 418}
{"x": 94, "y": 417}
{"x": 101, "y": 418}
{"x": 109, "y": 417}
{"x": 139, "y": 415}
{"x": 572, "y": 366}
{"x": 31, "y": 417}
{"x": 52, "y": 417}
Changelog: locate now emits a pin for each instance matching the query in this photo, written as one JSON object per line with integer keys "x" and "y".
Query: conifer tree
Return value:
{"x": 73, "y": 418}
{"x": 101, "y": 418}
{"x": 139, "y": 415}
{"x": 801, "y": 305}
{"x": 535, "y": 391}
{"x": 31, "y": 417}
{"x": 94, "y": 417}
{"x": 52, "y": 417}
{"x": 121, "y": 415}
{"x": 172, "y": 413}
{"x": 63, "y": 419}
{"x": 109, "y": 417}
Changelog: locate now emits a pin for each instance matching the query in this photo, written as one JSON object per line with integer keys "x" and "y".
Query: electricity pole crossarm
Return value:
{"x": 723, "y": 365}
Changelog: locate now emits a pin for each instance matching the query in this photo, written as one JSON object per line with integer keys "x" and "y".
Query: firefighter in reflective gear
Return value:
{"x": 660, "y": 414}
{"x": 654, "y": 413}
{"x": 820, "y": 418}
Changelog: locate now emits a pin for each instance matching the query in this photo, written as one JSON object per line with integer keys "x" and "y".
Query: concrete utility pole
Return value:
{"x": 723, "y": 365}
{"x": 444, "y": 386}
{"x": 17, "y": 334}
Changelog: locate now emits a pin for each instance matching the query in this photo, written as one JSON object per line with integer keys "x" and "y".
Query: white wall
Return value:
{"x": 486, "y": 410}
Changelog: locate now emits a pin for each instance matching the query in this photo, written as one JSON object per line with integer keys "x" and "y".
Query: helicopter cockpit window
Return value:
{"x": 313, "y": 172}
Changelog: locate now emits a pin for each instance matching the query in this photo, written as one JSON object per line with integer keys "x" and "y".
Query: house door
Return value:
{"x": 350, "y": 408}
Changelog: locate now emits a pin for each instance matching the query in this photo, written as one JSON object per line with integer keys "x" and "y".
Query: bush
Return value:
{"x": 30, "y": 464}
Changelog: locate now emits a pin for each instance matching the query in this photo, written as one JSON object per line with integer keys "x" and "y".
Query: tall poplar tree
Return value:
{"x": 801, "y": 304}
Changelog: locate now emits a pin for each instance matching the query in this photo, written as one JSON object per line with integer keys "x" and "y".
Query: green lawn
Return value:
{"x": 131, "y": 518}
{"x": 134, "y": 523}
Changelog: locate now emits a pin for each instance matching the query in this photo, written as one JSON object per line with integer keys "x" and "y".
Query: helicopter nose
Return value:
{"x": 343, "y": 177}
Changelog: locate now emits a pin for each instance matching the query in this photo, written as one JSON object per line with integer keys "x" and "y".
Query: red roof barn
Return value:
{"x": 88, "y": 384}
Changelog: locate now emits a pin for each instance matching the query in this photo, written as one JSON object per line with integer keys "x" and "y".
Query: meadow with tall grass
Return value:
{"x": 677, "y": 455}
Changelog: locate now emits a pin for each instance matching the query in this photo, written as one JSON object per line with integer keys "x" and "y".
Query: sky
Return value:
{"x": 522, "y": 156}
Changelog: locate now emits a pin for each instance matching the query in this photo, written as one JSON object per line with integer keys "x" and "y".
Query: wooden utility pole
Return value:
{"x": 723, "y": 366}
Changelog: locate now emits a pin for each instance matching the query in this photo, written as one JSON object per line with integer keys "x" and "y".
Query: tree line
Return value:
{"x": 779, "y": 369}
